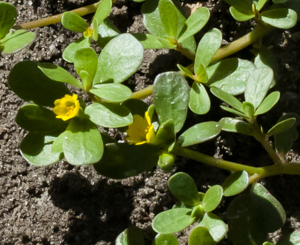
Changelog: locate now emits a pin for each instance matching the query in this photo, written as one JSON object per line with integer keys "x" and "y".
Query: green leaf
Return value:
{"x": 207, "y": 47}
{"x": 244, "y": 6}
{"x": 201, "y": 74}
{"x": 252, "y": 216}
{"x": 212, "y": 198}
{"x": 216, "y": 227}
{"x": 82, "y": 143}
{"x": 168, "y": 16}
{"x": 199, "y": 102}
{"x": 230, "y": 75}
{"x": 283, "y": 18}
{"x": 165, "y": 133}
{"x": 228, "y": 98}
{"x": 291, "y": 239}
{"x": 186, "y": 71}
{"x": 112, "y": 92}
{"x": 240, "y": 16}
{"x": 285, "y": 140}
{"x": 268, "y": 243}
{"x": 172, "y": 220}
{"x": 170, "y": 96}
{"x": 8, "y": 15}
{"x": 235, "y": 112}
{"x": 261, "y": 3}
{"x": 200, "y": 236}
{"x": 281, "y": 126}
{"x": 58, "y": 74}
{"x": 234, "y": 125}
{"x": 136, "y": 106}
{"x": 119, "y": 59}
{"x": 29, "y": 83}
{"x": 36, "y": 149}
{"x": 184, "y": 189}
{"x": 121, "y": 161}
{"x": 165, "y": 239}
{"x": 73, "y": 22}
{"x": 268, "y": 103}
{"x": 200, "y": 133}
{"x": 70, "y": 51}
{"x": 109, "y": 115}
{"x": 248, "y": 109}
{"x": 235, "y": 183}
{"x": 102, "y": 12}
{"x": 13, "y": 42}
{"x": 258, "y": 85}
{"x": 194, "y": 23}
{"x": 153, "y": 42}
{"x": 106, "y": 30}
{"x": 57, "y": 145}
{"x": 85, "y": 64}
{"x": 38, "y": 119}
{"x": 131, "y": 236}
{"x": 166, "y": 161}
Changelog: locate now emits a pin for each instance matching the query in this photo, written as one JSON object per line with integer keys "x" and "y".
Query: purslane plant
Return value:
{"x": 61, "y": 125}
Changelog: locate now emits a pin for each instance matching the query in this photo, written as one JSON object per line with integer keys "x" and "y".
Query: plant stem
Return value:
{"x": 256, "y": 172}
{"x": 57, "y": 18}
{"x": 143, "y": 93}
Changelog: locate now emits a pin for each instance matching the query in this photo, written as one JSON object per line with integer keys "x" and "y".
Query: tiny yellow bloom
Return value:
{"x": 66, "y": 107}
{"x": 141, "y": 131}
{"x": 88, "y": 32}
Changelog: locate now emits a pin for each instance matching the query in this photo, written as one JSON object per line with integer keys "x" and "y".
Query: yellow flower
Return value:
{"x": 141, "y": 131}
{"x": 88, "y": 32}
{"x": 66, "y": 107}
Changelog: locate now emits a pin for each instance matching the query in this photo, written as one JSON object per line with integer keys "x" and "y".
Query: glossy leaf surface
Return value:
{"x": 240, "y": 16}
{"x": 119, "y": 59}
{"x": 168, "y": 16}
{"x": 216, "y": 227}
{"x": 121, "y": 161}
{"x": 112, "y": 92}
{"x": 212, "y": 198}
{"x": 58, "y": 74}
{"x": 36, "y": 149}
{"x": 73, "y": 22}
{"x": 235, "y": 125}
{"x": 150, "y": 41}
{"x": 165, "y": 239}
{"x": 200, "y": 133}
{"x": 268, "y": 103}
{"x": 172, "y": 220}
{"x": 230, "y": 75}
{"x": 281, "y": 126}
{"x": 199, "y": 102}
{"x": 109, "y": 115}
{"x": 184, "y": 188}
{"x": 171, "y": 98}
{"x": 102, "y": 12}
{"x": 30, "y": 84}
{"x": 283, "y": 18}
{"x": 235, "y": 183}
{"x": 70, "y": 51}
{"x": 200, "y": 236}
{"x": 131, "y": 236}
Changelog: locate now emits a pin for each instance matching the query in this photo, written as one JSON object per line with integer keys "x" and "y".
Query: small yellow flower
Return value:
{"x": 88, "y": 32}
{"x": 141, "y": 131}
{"x": 66, "y": 107}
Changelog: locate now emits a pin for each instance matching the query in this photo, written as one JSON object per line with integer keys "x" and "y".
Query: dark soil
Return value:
{"x": 62, "y": 204}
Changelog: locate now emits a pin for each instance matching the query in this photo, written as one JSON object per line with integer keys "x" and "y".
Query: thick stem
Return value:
{"x": 57, "y": 18}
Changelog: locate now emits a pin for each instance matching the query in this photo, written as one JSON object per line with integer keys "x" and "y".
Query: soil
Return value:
{"x": 63, "y": 204}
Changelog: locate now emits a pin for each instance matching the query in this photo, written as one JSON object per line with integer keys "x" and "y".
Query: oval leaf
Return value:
{"x": 119, "y": 59}
{"x": 73, "y": 22}
{"x": 112, "y": 92}
{"x": 200, "y": 133}
{"x": 29, "y": 83}
{"x": 212, "y": 198}
{"x": 168, "y": 16}
{"x": 165, "y": 239}
{"x": 82, "y": 143}
{"x": 199, "y": 102}
{"x": 70, "y": 51}
{"x": 216, "y": 227}
{"x": 8, "y": 15}
{"x": 268, "y": 103}
{"x": 235, "y": 183}
{"x": 36, "y": 149}
{"x": 283, "y": 18}
{"x": 109, "y": 115}
{"x": 234, "y": 125}
{"x": 230, "y": 75}
{"x": 200, "y": 236}
{"x": 172, "y": 221}
{"x": 281, "y": 126}
{"x": 37, "y": 119}
{"x": 184, "y": 189}
{"x": 131, "y": 236}
{"x": 171, "y": 95}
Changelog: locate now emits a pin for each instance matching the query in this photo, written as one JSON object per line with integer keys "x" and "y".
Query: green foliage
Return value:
{"x": 200, "y": 236}
{"x": 235, "y": 183}
{"x": 73, "y": 22}
{"x": 165, "y": 239}
{"x": 291, "y": 239}
{"x": 216, "y": 227}
{"x": 131, "y": 236}
{"x": 212, "y": 198}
